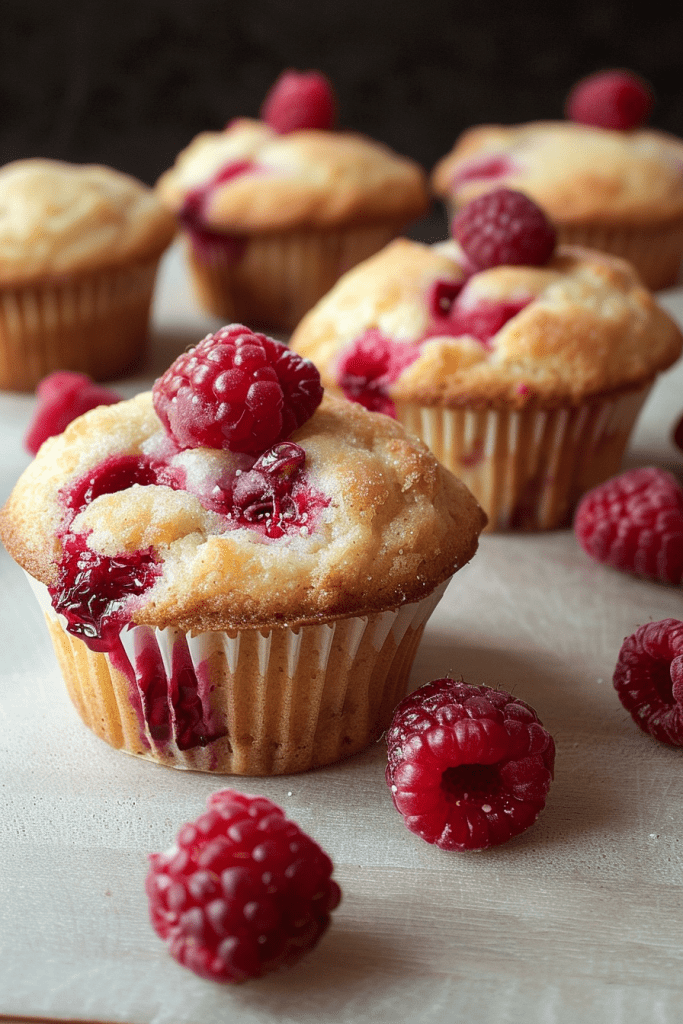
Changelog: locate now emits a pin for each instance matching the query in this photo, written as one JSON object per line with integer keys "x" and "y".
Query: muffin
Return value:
{"x": 619, "y": 191}
{"x": 79, "y": 248}
{"x": 251, "y": 610}
{"x": 272, "y": 220}
{"x": 525, "y": 381}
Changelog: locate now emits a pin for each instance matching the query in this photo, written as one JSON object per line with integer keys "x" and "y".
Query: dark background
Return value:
{"x": 128, "y": 83}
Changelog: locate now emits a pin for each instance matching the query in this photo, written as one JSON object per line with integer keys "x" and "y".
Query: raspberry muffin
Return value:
{"x": 272, "y": 215}
{"x": 79, "y": 249}
{"x": 619, "y": 191}
{"x": 236, "y": 573}
{"x": 525, "y": 381}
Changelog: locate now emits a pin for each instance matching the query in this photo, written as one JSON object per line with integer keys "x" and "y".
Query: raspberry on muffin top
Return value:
{"x": 343, "y": 513}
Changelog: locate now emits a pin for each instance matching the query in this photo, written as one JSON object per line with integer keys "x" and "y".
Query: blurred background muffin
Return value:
{"x": 129, "y": 84}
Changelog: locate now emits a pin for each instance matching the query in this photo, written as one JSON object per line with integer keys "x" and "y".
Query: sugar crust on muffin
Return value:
{"x": 397, "y": 524}
{"x": 588, "y": 327}
{"x": 308, "y": 177}
{"x": 58, "y": 218}
{"x": 575, "y": 172}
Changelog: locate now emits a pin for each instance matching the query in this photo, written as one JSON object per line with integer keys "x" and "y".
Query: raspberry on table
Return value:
{"x": 62, "y": 397}
{"x": 504, "y": 228}
{"x": 300, "y": 99}
{"x": 469, "y": 767}
{"x": 236, "y": 390}
{"x": 648, "y": 679}
{"x": 243, "y": 892}
{"x": 616, "y": 99}
{"x": 634, "y": 522}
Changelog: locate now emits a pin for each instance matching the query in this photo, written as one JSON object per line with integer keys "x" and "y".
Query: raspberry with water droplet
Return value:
{"x": 236, "y": 390}
{"x": 243, "y": 892}
{"x": 468, "y": 766}
{"x": 504, "y": 227}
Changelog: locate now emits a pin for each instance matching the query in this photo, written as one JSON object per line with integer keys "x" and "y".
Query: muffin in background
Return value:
{"x": 272, "y": 217}
{"x": 609, "y": 189}
{"x": 79, "y": 249}
{"x": 525, "y": 381}
{"x": 252, "y": 609}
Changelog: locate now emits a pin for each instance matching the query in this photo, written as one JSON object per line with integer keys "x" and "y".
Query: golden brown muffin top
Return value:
{"x": 306, "y": 178}
{"x": 577, "y": 173}
{"x": 58, "y": 218}
{"x": 392, "y": 525}
{"x": 586, "y": 325}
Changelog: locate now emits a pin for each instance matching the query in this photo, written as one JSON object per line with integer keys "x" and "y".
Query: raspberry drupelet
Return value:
{"x": 504, "y": 227}
{"x": 243, "y": 892}
{"x": 236, "y": 390}
{"x": 648, "y": 678}
{"x": 469, "y": 767}
{"x": 634, "y": 522}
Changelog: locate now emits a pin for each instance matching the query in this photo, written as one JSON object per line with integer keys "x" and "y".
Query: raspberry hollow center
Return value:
{"x": 473, "y": 783}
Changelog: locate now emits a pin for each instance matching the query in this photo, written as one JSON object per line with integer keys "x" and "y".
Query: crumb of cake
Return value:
{"x": 300, "y": 99}
{"x": 243, "y": 892}
{"x": 236, "y": 390}
{"x": 648, "y": 678}
{"x": 469, "y": 767}
{"x": 616, "y": 99}
{"x": 62, "y": 396}
{"x": 504, "y": 228}
{"x": 634, "y": 522}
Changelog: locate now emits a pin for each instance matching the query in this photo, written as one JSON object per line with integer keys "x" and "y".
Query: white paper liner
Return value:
{"x": 528, "y": 468}
{"x": 277, "y": 701}
{"x": 93, "y": 323}
{"x": 281, "y": 275}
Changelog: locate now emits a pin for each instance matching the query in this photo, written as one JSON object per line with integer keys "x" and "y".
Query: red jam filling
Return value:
{"x": 209, "y": 244}
{"x": 370, "y": 365}
{"x": 96, "y": 593}
{"x": 373, "y": 362}
{"x": 487, "y": 168}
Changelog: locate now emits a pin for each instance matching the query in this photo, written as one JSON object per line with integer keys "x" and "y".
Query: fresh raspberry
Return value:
{"x": 678, "y": 434}
{"x": 62, "y": 396}
{"x": 469, "y": 767}
{"x": 634, "y": 522}
{"x": 504, "y": 227}
{"x": 236, "y": 390}
{"x": 649, "y": 679}
{"x": 300, "y": 99}
{"x": 610, "y": 99}
{"x": 243, "y": 892}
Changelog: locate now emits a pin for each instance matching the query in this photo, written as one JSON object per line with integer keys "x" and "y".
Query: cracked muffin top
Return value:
{"x": 416, "y": 323}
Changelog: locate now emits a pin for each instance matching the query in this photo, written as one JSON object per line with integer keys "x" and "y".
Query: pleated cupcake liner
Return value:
{"x": 655, "y": 252}
{"x": 93, "y": 323}
{"x": 272, "y": 280}
{"x": 249, "y": 702}
{"x": 528, "y": 468}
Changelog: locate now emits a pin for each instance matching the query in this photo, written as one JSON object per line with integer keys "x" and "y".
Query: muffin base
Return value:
{"x": 94, "y": 323}
{"x": 528, "y": 468}
{"x": 655, "y": 252}
{"x": 275, "y": 701}
{"x": 272, "y": 280}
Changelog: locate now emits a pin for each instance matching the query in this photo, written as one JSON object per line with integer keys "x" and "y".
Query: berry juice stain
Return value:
{"x": 373, "y": 362}
{"x": 488, "y": 168}
{"x": 95, "y": 592}
{"x": 209, "y": 245}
